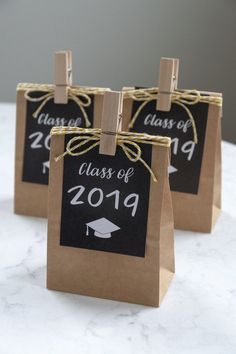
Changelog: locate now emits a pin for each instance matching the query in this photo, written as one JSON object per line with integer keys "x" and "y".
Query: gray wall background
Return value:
{"x": 120, "y": 42}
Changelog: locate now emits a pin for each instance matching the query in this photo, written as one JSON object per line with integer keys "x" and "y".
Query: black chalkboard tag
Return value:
{"x": 37, "y": 133}
{"x": 105, "y": 202}
{"x": 186, "y": 158}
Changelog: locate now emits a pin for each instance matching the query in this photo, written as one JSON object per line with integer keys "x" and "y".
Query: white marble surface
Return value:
{"x": 198, "y": 315}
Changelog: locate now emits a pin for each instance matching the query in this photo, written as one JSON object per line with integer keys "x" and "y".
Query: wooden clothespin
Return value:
{"x": 168, "y": 81}
{"x": 111, "y": 122}
{"x": 62, "y": 75}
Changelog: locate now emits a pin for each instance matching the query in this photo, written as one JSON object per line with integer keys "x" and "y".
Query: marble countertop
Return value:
{"x": 197, "y": 316}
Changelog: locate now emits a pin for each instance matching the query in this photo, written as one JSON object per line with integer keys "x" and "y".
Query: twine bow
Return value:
{"x": 88, "y": 139}
{"x": 82, "y": 100}
{"x": 180, "y": 98}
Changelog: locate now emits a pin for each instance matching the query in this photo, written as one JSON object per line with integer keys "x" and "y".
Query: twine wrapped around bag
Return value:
{"x": 80, "y": 95}
{"x": 88, "y": 139}
{"x": 181, "y": 98}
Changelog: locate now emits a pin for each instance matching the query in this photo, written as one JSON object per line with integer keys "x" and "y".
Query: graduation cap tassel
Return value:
{"x": 87, "y": 230}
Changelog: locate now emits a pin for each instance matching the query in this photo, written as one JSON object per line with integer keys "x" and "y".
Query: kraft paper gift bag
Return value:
{"x": 194, "y": 125}
{"x": 36, "y": 115}
{"x": 110, "y": 220}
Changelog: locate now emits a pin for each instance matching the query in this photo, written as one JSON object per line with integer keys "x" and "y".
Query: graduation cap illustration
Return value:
{"x": 102, "y": 228}
{"x": 45, "y": 166}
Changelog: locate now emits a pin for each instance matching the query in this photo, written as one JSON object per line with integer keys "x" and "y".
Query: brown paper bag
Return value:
{"x": 195, "y": 171}
{"x": 36, "y": 115}
{"x": 110, "y": 224}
